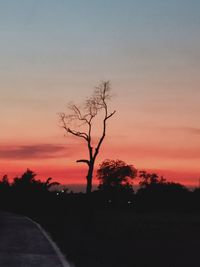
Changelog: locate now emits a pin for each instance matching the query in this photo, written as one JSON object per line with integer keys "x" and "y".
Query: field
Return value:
{"x": 112, "y": 238}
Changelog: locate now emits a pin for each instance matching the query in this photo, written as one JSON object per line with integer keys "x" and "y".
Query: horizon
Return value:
{"x": 56, "y": 52}
{"x": 80, "y": 185}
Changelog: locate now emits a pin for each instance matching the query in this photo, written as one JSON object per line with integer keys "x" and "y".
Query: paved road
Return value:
{"x": 24, "y": 244}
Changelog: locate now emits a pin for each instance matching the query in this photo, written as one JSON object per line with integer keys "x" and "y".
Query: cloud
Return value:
{"x": 36, "y": 151}
{"x": 191, "y": 130}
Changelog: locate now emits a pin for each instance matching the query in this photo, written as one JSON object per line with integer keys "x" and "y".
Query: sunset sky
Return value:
{"x": 55, "y": 51}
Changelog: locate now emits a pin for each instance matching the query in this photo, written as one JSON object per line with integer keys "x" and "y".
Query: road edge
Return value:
{"x": 58, "y": 252}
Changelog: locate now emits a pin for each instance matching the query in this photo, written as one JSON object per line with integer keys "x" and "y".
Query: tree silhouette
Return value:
{"x": 4, "y": 183}
{"x": 94, "y": 106}
{"x": 156, "y": 193}
{"x": 116, "y": 175}
{"x": 27, "y": 183}
{"x": 48, "y": 184}
{"x": 150, "y": 179}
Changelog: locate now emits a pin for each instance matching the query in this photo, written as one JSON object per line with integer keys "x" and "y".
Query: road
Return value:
{"x": 23, "y": 243}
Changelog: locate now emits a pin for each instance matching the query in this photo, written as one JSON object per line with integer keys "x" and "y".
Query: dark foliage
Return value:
{"x": 150, "y": 179}
{"x": 25, "y": 193}
{"x": 162, "y": 216}
{"x": 116, "y": 175}
{"x": 28, "y": 183}
{"x": 156, "y": 193}
{"x": 4, "y": 184}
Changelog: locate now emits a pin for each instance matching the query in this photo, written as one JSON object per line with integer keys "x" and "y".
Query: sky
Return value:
{"x": 56, "y": 51}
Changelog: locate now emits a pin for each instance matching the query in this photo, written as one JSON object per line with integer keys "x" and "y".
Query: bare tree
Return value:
{"x": 84, "y": 118}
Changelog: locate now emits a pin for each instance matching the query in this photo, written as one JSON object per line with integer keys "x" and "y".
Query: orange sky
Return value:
{"x": 163, "y": 149}
{"x": 52, "y": 53}
{"x": 144, "y": 132}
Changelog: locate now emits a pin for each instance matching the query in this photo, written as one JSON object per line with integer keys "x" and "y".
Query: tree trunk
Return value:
{"x": 89, "y": 178}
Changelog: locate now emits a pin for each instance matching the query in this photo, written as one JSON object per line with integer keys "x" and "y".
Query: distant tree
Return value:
{"x": 48, "y": 184}
{"x": 27, "y": 182}
{"x": 84, "y": 118}
{"x": 4, "y": 183}
{"x": 116, "y": 175}
{"x": 150, "y": 179}
{"x": 4, "y": 192}
{"x": 155, "y": 192}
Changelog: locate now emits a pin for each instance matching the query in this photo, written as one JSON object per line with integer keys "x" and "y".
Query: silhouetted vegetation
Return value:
{"x": 116, "y": 175}
{"x": 96, "y": 105}
{"x": 156, "y": 193}
{"x": 150, "y": 179}
{"x": 115, "y": 182}
{"x": 115, "y": 190}
{"x": 4, "y": 184}
{"x": 28, "y": 184}
{"x": 115, "y": 220}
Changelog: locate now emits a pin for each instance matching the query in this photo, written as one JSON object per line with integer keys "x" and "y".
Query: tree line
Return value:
{"x": 115, "y": 190}
{"x": 115, "y": 176}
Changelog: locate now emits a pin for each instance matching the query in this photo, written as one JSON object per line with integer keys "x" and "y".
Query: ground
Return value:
{"x": 24, "y": 244}
{"x": 112, "y": 238}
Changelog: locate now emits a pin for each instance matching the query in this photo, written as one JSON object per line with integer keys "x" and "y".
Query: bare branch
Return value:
{"x": 111, "y": 114}
{"x": 79, "y": 134}
{"x": 86, "y": 115}
{"x": 84, "y": 161}
{"x": 69, "y": 130}
{"x": 77, "y": 115}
